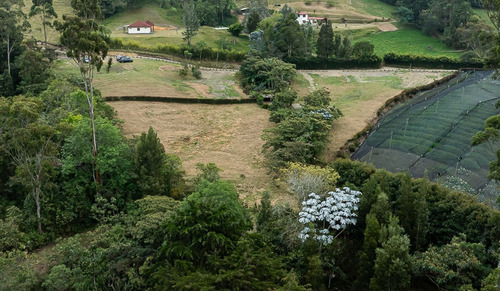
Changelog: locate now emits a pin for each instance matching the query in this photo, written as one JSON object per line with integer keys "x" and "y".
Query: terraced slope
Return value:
{"x": 430, "y": 135}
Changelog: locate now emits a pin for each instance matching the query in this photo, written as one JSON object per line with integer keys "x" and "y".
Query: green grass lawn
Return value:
{"x": 483, "y": 14}
{"x": 146, "y": 77}
{"x": 373, "y": 7}
{"x": 159, "y": 16}
{"x": 409, "y": 40}
{"x": 207, "y": 35}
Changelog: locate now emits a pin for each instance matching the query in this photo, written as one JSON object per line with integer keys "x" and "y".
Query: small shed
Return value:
{"x": 140, "y": 27}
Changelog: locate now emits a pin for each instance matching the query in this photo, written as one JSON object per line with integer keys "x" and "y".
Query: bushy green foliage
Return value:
{"x": 196, "y": 72}
{"x": 209, "y": 221}
{"x": 301, "y": 135}
{"x": 392, "y": 264}
{"x": 252, "y": 21}
{"x": 259, "y": 73}
{"x": 453, "y": 265}
{"x": 363, "y": 50}
{"x": 235, "y": 29}
{"x": 428, "y": 62}
{"x": 113, "y": 162}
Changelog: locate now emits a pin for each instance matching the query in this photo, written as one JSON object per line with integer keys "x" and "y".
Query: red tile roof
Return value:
{"x": 140, "y": 24}
{"x": 150, "y": 23}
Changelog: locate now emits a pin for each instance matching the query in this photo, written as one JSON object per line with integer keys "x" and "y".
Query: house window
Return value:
{"x": 138, "y": 28}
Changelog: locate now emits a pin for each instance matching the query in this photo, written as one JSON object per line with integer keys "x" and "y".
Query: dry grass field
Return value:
{"x": 230, "y": 135}
{"x": 227, "y": 135}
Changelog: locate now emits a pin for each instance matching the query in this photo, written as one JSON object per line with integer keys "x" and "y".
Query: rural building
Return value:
{"x": 139, "y": 27}
{"x": 303, "y": 18}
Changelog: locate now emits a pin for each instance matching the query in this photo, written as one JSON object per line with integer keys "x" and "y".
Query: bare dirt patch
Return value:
{"x": 227, "y": 135}
{"x": 386, "y": 26}
{"x": 202, "y": 89}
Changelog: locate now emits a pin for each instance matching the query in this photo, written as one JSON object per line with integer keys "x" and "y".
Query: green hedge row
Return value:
{"x": 316, "y": 63}
{"x": 420, "y": 61}
{"x": 206, "y": 53}
{"x": 179, "y": 100}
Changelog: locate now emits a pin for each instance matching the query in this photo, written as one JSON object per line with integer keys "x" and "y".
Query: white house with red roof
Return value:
{"x": 140, "y": 27}
{"x": 303, "y": 19}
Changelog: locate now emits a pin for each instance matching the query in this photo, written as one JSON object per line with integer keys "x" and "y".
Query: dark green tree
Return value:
{"x": 235, "y": 29}
{"x": 208, "y": 222}
{"x": 413, "y": 212}
{"x": 453, "y": 265}
{"x": 114, "y": 165}
{"x": 148, "y": 163}
{"x": 46, "y": 11}
{"x": 363, "y": 49}
{"x": 266, "y": 73}
{"x": 13, "y": 23}
{"x": 264, "y": 216}
{"x": 252, "y": 21}
{"x": 368, "y": 254}
{"x": 289, "y": 37}
{"x": 324, "y": 45}
{"x": 344, "y": 51}
{"x": 34, "y": 150}
{"x": 35, "y": 71}
{"x": 392, "y": 264}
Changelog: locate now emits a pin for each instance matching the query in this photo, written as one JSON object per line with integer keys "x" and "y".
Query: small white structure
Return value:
{"x": 140, "y": 27}
{"x": 303, "y": 19}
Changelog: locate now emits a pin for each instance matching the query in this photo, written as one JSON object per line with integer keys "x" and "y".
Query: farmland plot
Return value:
{"x": 430, "y": 135}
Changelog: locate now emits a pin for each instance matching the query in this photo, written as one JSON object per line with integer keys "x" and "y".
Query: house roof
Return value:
{"x": 140, "y": 24}
{"x": 150, "y": 23}
{"x": 317, "y": 18}
{"x": 302, "y": 13}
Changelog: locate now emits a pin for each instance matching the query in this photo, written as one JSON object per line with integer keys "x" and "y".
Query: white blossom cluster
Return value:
{"x": 336, "y": 211}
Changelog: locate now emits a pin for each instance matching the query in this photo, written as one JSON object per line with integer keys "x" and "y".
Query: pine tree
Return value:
{"x": 392, "y": 265}
{"x": 324, "y": 45}
{"x": 368, "y": 255}
{"x": 264, "y": 215}
{"x": 148, "y": 164}
{"x": 253, "y": 21}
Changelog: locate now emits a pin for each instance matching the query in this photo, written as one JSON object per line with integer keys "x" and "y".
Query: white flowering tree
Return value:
{"x": 322, "y": 217}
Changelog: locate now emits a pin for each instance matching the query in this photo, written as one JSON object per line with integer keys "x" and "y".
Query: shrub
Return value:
{"x": 308, "y": 2}
{"x": 184, "y": 70}
{"x": 196, "y": 72}
{"x": 329, "y": 4}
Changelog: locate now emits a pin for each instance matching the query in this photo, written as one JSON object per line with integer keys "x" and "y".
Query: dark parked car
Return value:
{"x": 125, "y": 60}
{"x": 118, "y": 57}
